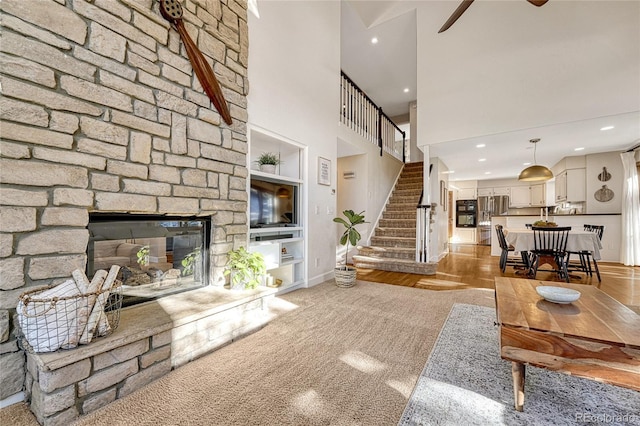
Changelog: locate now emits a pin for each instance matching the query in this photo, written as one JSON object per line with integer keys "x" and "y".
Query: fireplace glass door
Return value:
{"x": 157, "y": 256}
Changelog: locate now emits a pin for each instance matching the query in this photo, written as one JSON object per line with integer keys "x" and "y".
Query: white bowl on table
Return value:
{"x": 558, "y": 294}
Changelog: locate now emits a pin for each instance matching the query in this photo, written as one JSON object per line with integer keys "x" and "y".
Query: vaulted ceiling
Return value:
{"x": 504, "y": 73}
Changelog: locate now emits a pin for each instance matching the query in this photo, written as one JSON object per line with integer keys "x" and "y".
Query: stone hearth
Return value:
{"x": 150, "y": 341}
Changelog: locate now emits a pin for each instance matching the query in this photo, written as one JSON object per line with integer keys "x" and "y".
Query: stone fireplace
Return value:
{"x": 158, "y": 255}
{"x": 102, "y": 114}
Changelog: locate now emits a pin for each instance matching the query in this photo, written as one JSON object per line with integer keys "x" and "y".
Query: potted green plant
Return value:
{"x": 143, "y": 256}
{"x": 246, "y": 269}
{"x": 345, "y": 275}
{"x": 267, "y": 162}
{"x": 189, "y": 263}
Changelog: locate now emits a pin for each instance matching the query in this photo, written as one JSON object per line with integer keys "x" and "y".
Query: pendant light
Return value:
{"x": 535, "y": 172}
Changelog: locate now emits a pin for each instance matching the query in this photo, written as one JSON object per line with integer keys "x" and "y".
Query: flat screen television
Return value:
{"x": 272, "y": 204}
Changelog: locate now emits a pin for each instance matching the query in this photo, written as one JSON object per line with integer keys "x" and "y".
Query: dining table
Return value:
{"x": 577, "y": 240}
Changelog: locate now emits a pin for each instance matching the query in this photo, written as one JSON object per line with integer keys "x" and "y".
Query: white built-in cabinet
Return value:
{"x": 467, "y": 194}
{"x": 502, "y": 190}
{"x": 538, "y": 195}
{"x": 571, "y": 186}
{"x": 528, "y": 196}
{"x": 488, "y": 192}
{"x": 465, "y": 236}
{"x": 520, "y": 196}
{"x": 485, "y": 192}
{"x": 282, "y": 246}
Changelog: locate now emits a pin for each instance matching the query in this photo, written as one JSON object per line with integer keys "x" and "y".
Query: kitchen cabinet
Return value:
{"x": 571, "y": 186}
{"x": 502, "y": 190}
{"x": 485, "y": 192}
{"x": 464, "y": 236}
{"x": 528, "y": 196}
{"x": 537, "y": 195}
{"x": 520, "y": 196}
{"x": 488, "y": 192}
{"x": 467, "y": 194}
{"x": 561, "y": 186}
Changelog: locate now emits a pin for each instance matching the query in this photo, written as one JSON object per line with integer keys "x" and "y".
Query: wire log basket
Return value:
{"x": 49, "y": 322}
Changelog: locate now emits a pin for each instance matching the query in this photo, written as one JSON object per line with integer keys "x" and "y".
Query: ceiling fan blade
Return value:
{"x": 456, "y": 14}
{"x": 537, "y": 2}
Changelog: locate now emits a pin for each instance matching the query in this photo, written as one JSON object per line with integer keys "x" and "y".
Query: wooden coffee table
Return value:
{"x": 595, "y": 337}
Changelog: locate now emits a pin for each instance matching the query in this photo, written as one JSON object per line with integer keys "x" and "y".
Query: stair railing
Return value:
{"x": 363, "y": 116}
{"x": 423, "y": 217}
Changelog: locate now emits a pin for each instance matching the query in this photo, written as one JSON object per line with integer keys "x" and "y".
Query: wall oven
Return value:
{"x": 466, "y": 213}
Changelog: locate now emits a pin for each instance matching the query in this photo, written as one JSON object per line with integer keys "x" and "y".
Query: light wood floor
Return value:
{"x": 471, "y": 266}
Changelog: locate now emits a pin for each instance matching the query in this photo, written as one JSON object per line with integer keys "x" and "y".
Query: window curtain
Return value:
{"x": 630, "y": 250}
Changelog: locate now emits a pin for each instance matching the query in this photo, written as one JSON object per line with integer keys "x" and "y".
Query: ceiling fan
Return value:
{"x": 465, "y": 5}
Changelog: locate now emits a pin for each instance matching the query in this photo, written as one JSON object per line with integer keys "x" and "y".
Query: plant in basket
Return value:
{"x": 345, "y": 276}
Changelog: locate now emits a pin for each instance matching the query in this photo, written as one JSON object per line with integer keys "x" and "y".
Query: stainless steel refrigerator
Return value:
{"x": 489, "y": 206}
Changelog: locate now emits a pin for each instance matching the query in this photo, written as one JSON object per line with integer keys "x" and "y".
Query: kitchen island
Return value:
{"x": 611, "y": 239}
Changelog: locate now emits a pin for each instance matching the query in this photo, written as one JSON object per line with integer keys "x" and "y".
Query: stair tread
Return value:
{"x": 388, "y": 249}
{"x": 396, "y": 238}
{"x": 383, "y": 260}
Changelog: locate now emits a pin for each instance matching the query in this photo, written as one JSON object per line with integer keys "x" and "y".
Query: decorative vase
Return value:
{"x": 345, "y": 278}
{"x": 268, "y": 168}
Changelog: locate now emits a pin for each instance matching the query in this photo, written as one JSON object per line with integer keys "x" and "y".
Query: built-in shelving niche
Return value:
{"x": 283, "y": 246}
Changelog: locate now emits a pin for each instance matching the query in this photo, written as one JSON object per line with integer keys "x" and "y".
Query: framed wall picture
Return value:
{"x": 324, "y": 171}
{"x": 443, "y": 195}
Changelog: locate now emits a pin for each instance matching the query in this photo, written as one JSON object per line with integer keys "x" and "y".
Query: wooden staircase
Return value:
{"x": 393, "y": 246}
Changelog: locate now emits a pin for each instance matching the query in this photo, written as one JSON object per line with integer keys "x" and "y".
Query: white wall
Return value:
{"x": 375, "y": 177}
{"x": 439, "y": 237}
{"x": 352, "y": 195}
{"x": 613, "y": 163}
{"x": 294, "y": 76}
{"x": 415, "y": 154}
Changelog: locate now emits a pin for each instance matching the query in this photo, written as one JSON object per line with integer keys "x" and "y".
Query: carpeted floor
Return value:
{"x": 474, "y": 386}
{"x": 339, "y": 357}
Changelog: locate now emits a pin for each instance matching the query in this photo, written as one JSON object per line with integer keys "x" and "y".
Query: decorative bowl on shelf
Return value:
{"x": 558, "y": 294}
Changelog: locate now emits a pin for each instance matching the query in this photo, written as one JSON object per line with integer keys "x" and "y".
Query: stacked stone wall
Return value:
{"x": 101, "y": 112}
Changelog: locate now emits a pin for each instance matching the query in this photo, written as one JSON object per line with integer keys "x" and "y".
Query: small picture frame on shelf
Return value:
{"x": 324, "y": 171}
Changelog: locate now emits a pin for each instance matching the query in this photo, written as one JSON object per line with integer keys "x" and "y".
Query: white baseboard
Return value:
{"x": 319, "y": 279}
{"x": 13, "y": 399}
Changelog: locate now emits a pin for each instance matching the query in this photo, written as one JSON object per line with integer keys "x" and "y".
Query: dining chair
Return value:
{"x": 528, "y": 225}
{"x": 505, "y": 259}
{"x": 550, "y": 243}
{"x": 587, "y": 256}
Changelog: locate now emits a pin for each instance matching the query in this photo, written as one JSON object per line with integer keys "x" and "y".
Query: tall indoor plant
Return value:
{"x": 345, "y": 275}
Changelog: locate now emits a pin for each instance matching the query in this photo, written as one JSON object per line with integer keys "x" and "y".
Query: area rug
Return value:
{"x": 465, "y": 382}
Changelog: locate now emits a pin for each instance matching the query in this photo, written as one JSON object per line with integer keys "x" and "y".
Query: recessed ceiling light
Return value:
{"x": 448, "y": 172}
{"x": 579, "y": 149}
{"x": 406, "y": 90}
{"x": 526, "y": 164}
{"x": 374, "y": 40}
{"x": 606, "y": 128}
{"x": 482, "y": 159}
{"x": 487, "y": 173}
{"x": 480, "y": 145}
